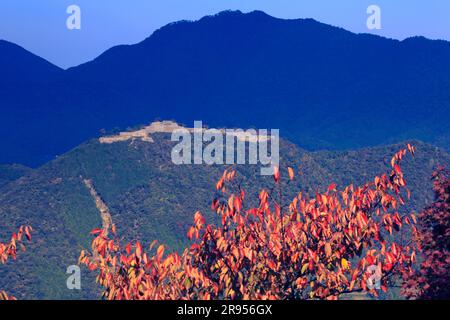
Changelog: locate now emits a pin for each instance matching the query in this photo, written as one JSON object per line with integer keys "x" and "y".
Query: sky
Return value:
{"x": 40, "y": 25}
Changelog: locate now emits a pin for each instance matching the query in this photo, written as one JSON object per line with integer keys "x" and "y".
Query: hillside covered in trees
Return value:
{"x": 150, "y": 198}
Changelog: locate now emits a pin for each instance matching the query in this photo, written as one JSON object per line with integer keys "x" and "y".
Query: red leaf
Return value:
{"x": 276, "y": 174}
{"x": 96, "y": 231}
{"x": 27, "y": 233}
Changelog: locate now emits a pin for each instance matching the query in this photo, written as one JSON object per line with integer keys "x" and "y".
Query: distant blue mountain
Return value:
{"x": 322, "y": 86}
{"x": 19, "y": 66}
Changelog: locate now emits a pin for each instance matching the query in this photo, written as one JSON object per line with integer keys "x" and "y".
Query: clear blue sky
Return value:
{"x": 40, "y": 25}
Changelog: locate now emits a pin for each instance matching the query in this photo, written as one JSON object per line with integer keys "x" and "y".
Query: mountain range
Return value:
{"x": 322, "y": 86}
{"x": 344, "y": 104}
{"x": 149, "y": 197}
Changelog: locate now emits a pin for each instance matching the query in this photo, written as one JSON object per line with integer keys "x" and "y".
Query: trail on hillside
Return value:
{"x": 101, "y": 206}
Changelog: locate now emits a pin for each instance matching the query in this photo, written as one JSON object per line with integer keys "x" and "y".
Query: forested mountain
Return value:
{"x": 150, "y": 198}
{"x": 11, "y": 172}
{"x": 322, "y": 86}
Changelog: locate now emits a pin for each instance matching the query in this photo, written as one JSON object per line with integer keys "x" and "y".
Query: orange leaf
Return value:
{"x": 328, "y": 249}
{"x": 190, "y": 232}
{"x": 291, "y": 173}
{"x": 138, "y": 250}
{"x": 160, "y": 252}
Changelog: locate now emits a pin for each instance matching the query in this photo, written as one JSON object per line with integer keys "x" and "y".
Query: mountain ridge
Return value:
{"x": 225, "y": 12}
{"x": 322, "y": 86}
{"x": 148, "y": 197}
{"x": 10, "y": 51}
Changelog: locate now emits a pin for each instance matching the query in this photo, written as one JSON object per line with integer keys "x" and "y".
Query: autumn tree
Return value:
{"x": 433, "y": 279}
{"x": 9, "y": 250}
{"x": 316, "y": 247}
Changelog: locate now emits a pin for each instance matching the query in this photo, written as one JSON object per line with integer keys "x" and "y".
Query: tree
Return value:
{"x": 317, "y": 248}
{"x": 9, "y": 250}
{"x": 433, "y": 279}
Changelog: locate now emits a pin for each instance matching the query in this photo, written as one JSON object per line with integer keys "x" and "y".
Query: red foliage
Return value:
{"x": 433, "y": 279}
{"x": 9, "y": 250}
{"x": 319, "y": 247}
